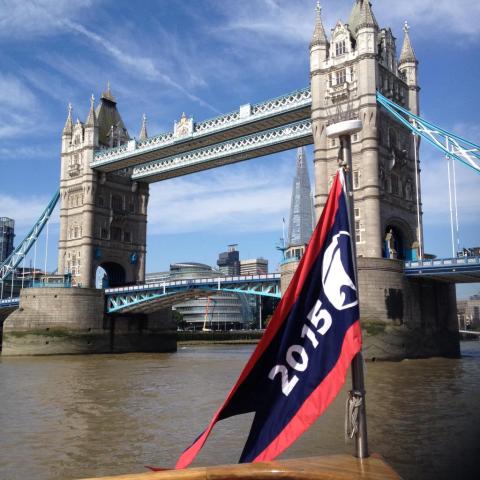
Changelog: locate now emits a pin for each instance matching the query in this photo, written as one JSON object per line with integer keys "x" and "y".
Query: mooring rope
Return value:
{"x": 354, "y": 402}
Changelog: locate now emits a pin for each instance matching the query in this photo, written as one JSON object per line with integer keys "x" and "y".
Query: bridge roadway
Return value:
{"x": 248, "y": 120}
{"x": 454, "y": 270}
{"x": 146, "y": 298}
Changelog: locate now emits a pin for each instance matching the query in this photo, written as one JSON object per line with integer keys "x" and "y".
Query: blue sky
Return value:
{"x": 207, "y": 57}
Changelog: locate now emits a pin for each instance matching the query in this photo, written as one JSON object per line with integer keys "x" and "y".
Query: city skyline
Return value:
{"x": 201, "y": 61}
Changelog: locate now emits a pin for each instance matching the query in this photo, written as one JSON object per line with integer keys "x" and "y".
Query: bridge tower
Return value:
{"x": 103, "y": 216}
{"x": 400, "y": 317}
{"x": 346, "y": 72}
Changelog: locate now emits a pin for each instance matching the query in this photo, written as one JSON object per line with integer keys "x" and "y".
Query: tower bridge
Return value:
{"x": 408, "y": 309}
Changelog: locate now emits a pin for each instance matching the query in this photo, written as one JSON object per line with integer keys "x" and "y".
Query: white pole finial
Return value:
{"x": 92, "y": 101}
{"x": 70, "y": 108}
{"x": 406, "y": 27}
{"x": 318, "y": 8}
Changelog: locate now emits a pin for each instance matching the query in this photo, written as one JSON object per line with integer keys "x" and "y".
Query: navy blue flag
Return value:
{"x": 302, "y": 360}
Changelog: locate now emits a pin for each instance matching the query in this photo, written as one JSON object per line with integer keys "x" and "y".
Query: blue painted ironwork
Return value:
{"x": 450, "y": 144}
{"x": 16, "y": 257}
{"x": 240, "y": 148}
{"x": 457, "y": 269}
{"x": 9, "y": 302}
{"x": 123, "y": 299}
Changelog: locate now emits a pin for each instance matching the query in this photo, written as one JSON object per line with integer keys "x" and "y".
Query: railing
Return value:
{"x": 9, "y": 302}
{"x": 247, "y": 113}
{"x": 442, "y": 262}
{"x": 195, "y": 281}
{"x": 226, "y": 149}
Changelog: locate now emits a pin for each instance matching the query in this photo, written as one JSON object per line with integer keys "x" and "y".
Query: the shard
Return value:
{"x": 300, "y": 226}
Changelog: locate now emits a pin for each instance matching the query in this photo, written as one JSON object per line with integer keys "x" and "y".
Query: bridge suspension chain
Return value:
{"x": 8, "y": 267}
{"x": 450, "y": 144}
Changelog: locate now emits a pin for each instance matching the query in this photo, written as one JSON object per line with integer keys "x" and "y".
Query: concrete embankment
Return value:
{"x": 230, "y": 337}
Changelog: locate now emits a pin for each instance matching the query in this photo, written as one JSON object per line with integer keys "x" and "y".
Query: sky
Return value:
{"x": 206, "y": 57}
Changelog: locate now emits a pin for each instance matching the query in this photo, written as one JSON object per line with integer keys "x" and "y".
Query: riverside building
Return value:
{"x": 7, "y": 234}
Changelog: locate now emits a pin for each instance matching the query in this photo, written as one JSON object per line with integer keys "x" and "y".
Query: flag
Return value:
{"x": 301, "y": 362}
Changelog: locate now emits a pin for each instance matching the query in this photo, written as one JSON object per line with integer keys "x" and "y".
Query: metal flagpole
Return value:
{"x": 417, "y": 192}
{"x": 456, "y": 205}
{"x": 13, "y": 281}
{"x": 46, "y": 248}
{"x": 358, "y": 380}
{"x": 450, "y": 201}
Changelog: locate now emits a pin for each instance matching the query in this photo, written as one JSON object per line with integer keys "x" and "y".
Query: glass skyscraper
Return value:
{"x": 7, "y": 229}
{"x": 300, "y": 226}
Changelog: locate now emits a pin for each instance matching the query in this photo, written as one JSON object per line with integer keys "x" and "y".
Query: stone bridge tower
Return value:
{"x": 103, "y": 216}
{"x": 346, "y": 72}
{"x": 401, "y": 317}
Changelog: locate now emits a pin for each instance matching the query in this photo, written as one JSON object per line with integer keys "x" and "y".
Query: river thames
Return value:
{"x": 70, "y": 417}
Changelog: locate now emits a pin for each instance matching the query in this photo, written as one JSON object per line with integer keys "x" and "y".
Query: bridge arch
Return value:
{"x": 112, "y": 274}
{"x": 399, "y": 240}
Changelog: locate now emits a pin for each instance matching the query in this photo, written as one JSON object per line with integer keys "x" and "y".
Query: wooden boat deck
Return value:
{"x": 331, "y": 467}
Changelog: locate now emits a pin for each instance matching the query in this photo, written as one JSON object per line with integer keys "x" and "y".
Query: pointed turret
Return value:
{"x": 107, "y": 94}
{"x": 408, "y": 68}
{"x": 407, "y": 55}
{"x": 92, "y": 118}
{"x": 319, "y": 37}
{"x": 91, "y": 125}
{"x": 362, "y": 16}
{"x": 67, "y": 129}
{"x": 108, "y": 117}
{"x": 143, "y": 131}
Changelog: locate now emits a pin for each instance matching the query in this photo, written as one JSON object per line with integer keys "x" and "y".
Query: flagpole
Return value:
{"x": 358, "y": 380}
{"x": 343, "y": 130}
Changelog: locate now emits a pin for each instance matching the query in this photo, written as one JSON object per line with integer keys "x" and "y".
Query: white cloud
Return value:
{"x": 18, "y": 107}
{"x": 246, "y": 201}
{"x": 292, "y": 22}
{"x": 459, "y": 19}
{"x": 142, "y": 64}
{"x": 30, "y": 18}
{"x": 24, "y": 210}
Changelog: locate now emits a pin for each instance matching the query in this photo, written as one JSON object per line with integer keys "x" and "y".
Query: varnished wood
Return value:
{"x": 332, "y": 467}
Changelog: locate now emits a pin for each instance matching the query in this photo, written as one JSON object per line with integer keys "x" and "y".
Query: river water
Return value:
{"x": 72, "y": 417}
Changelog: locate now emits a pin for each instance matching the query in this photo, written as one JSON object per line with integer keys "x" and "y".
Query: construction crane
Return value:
{"x": 205, "y": 329}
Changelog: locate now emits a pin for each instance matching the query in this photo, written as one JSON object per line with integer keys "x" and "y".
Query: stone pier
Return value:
{"x": 401, "y": 317}
{"x": 72, "y": 321}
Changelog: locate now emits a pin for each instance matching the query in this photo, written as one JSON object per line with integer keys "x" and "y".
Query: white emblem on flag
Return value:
{"x": 337, "y": 285}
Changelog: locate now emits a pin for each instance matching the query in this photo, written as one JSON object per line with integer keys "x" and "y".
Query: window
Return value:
{"x": 357, "y": 212}
{"x": 101, "y": 201}
{"x": 358, "y": 231}
{"x": 341, "y": 76}
{"x": 395, "y": 187}
{"x": 355, "y": 137}
{"x": 117, "y": 203}
{"x": 333, "y": 142}
{"x": 116, "y": 234}
{"x": 127, "y": 237}
{"x": 356, "y": 179}
{"x": 340, "y": 48}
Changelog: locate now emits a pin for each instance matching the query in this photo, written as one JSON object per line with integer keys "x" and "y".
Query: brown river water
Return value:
{"x": 72, "y": 417}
